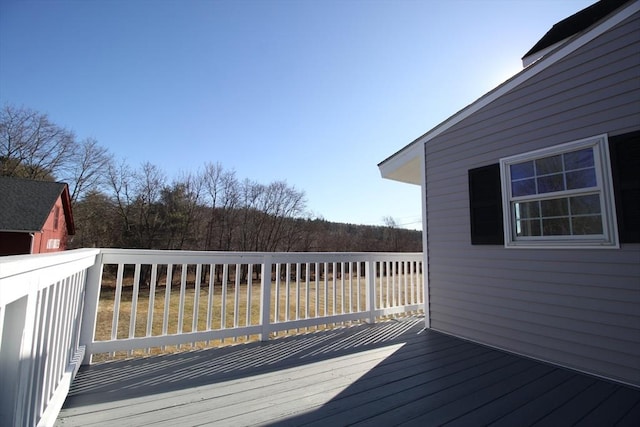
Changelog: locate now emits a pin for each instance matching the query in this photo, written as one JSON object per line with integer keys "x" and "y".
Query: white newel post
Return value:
{"x": 13, "y": 365}
{"x": 265, "y": 302}
{"x": 90, "y": 308}
{"x": 27, "y": 360}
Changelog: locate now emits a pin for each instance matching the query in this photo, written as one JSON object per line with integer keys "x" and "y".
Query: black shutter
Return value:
{"x": 624, "y": 151}
{"x": 485, "y": 201}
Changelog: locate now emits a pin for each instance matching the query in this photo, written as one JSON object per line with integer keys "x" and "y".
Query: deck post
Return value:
{"x": 26, "y": 317}
{"x": 370, "y": 279}
{"x": 90, "y": 307}
{"x": 265, "y": 298}
{"x": 14, "y": 314}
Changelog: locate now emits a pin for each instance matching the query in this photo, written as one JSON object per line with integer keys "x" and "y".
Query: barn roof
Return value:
{"x": 25, "y": 204}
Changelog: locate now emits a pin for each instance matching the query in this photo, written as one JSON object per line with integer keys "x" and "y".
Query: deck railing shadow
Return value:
{"x": 389, "y": 373}
{"x": 126, "y": 379}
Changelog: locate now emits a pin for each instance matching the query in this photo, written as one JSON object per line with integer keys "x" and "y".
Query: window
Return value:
{"x": 559, "y": 197}
{"x": 56, "y": 217}
{"x": 53, "y": 244}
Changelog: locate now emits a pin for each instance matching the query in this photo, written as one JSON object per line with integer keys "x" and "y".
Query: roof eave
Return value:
{"x": 402, "y": 167}
{"x": 68, "y": 214}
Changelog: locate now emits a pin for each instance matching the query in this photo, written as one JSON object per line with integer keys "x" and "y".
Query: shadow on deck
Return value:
{"x": 390, "y": 373}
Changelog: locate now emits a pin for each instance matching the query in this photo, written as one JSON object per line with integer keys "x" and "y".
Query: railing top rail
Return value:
{"x": 107, "y": 251}
{"x": 195, "y": 257}
{"x": 19, "y": 274}
{"x": 20, "y": 269}
{"x": 344, "y": 256}
{"x": 20, "y": 264}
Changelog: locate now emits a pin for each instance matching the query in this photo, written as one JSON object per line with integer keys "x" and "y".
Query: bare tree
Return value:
{"x": 179, "y": 204}
{"x": 96, "y": 219}
{"x": 266, "y": 210}
{"x": 392, "y": 233}
{"x": 251, "y": 220}
{"x": 120, "y": 182}
{"x": 86, "y": 169}
{"x": 148, "y": 185}
{"x": 31, "y": 146}
{"x": 229, "y": 209}
{"x": 282, "y": 204}
{"x": 222, "y": 198}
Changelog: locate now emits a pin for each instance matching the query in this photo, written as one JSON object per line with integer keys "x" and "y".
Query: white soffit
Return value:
{"x": 404, "y": 166}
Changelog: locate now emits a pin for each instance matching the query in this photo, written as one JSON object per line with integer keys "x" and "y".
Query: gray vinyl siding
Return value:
{"x": 578, "y": 308}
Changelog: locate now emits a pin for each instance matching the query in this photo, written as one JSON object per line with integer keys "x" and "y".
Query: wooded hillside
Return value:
{"x": 208, "y": 208}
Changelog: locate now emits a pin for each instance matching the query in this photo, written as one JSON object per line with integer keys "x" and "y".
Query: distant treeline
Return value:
{"x": 175, "y": 221}
{"x": 117, "y": 205}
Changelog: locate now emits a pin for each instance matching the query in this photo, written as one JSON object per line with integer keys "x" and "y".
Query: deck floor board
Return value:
{"x": 390, "y": 373}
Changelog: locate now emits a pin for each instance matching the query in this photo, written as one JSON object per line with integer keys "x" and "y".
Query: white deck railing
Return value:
{"x": 58, "y": 310}
{"x": 41, "y": 303}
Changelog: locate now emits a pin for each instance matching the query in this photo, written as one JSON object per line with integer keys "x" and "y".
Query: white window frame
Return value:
{"x": 53, "y": 244}
{"x": 604, "y": 188}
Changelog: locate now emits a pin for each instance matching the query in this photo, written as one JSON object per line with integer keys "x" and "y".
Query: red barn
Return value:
{"x": 35, "y": 216}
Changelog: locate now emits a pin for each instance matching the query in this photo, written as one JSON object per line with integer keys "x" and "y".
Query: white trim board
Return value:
{"x": 404, "y": 165}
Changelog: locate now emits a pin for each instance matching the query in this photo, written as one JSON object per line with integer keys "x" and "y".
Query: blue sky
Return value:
{"x": 315, "y": 93}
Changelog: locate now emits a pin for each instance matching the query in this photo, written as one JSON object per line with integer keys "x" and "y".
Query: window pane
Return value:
{"x": 551, "y": 183}
{"x": 585, "y": 225}
{"x": 579, "y": 159}
{"x": 528, "y": 227}
{"x": 523, "y": 188}
{"x": 521, "y": 170}
{"x": 549, "y": 165}
{"x": 555, "y": 207}
{"x": 582, "y": 205}
{"x": 581, "y": 179}
{"x": 556, "y": 227}
{"x": 527, "y": 210}
{"x": 557, "y": 196}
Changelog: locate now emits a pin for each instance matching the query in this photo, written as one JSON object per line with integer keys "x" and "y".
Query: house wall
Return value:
{"x": 53, "y": 237}
{"x": 578, "y": 308}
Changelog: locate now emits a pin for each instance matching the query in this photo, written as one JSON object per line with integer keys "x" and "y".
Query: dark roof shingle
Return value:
{"x": 25, "y": 204}
{"x": 576, "y": 23}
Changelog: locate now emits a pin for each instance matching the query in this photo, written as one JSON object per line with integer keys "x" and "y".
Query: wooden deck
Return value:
{"x": 390, "y": 373}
